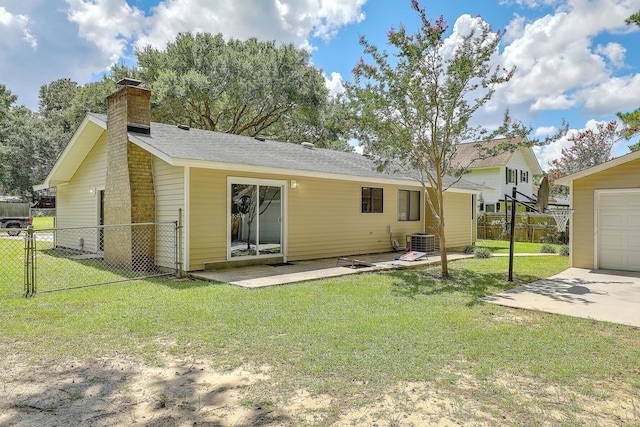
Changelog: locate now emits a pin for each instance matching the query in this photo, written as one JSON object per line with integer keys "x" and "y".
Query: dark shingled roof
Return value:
{"x": 467, "y": 152}
{"x": 218, "y": 147}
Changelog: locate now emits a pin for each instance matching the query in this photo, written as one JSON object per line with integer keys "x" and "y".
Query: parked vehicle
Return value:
{"x": 45, "y": 202}
{"x": 15, "y": 224}
{"x": 14, "y": 215}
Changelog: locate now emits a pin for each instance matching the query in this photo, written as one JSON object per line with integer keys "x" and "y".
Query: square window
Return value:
{"x": 408, "y": 205}
{"x": 372, "y": 200}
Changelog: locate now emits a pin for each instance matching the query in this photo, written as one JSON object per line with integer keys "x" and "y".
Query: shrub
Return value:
{"x": 563, "y": 250}
{"x": 468, "y": 249}
{"x": 481, "y": 252}
{"x": 547, "y": 249}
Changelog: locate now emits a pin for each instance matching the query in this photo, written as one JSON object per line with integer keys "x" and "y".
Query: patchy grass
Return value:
{"x": 405, "y": 335}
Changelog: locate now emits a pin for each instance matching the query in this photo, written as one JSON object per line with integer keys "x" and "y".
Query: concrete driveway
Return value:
{"x": 612, "y": 296}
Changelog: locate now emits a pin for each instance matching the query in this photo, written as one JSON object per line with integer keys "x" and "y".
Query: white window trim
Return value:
{"x": 371, "y": 213}
{"x": 419, "y": 204}
{"x": 285, "y": 214}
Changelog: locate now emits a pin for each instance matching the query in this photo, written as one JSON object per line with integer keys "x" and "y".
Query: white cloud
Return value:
{"x": 334, "y": 14}
{"x": 109, "y": 24}
{"x": 515, "y": 29}
{"x": 615, "y": 94}
{"x": 293, "y": 21}
{"x": 548, "y": 153}
{"x": 18, "y": 24}
{"x": 555, "y": 57}
{"x": 530, "y": 3}
{"x": 334, "y": 84}
{"x": 559, "y": 102}
{"x": 464, "y": 25}
{"x": 544, "y": 131}
{"x": 615, "y": 52}
{"x": 551, "y": 60}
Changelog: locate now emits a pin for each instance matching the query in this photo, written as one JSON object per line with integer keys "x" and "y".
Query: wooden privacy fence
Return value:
{"x": 14, "y": 209}
{"x": 529, "y": 227}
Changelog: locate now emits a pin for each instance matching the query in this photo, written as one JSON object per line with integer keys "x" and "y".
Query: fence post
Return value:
{"x": 29, "y": 263}
{"x": 178, "y": 245}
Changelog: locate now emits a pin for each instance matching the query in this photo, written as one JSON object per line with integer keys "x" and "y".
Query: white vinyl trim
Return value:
{"x": 186, "y": 224}
{"x": 284, "y": 206}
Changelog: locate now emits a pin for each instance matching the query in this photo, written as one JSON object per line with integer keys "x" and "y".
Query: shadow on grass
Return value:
{"x": 121, "y": 392}
{"x": 184, "y": 283}
{"x": 495, "y": 249}
{"x": 477, "y": 285}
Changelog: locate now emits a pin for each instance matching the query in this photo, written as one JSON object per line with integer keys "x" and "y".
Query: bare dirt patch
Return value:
{"x": 122, "y": 391}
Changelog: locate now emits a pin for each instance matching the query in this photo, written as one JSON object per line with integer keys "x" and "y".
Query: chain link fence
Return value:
{"x": 45, "y": 260}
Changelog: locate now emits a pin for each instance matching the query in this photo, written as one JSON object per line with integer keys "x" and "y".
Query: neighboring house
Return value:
{"x": 242, "y": 199}
{"x": 605, "y": 226}
{"x": 501, "y": 172}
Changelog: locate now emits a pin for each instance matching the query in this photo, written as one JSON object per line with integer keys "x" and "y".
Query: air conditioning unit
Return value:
{"x": 422, "y": 242}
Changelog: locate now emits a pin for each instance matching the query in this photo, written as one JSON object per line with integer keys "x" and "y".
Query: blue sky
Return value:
{"x": 576, "y": 59}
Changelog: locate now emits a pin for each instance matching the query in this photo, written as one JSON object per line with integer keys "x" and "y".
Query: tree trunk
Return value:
{"x": 444, "y": 263}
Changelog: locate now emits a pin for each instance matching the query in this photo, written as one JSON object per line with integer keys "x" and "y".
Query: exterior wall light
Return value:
{"x": 294, "y": 183}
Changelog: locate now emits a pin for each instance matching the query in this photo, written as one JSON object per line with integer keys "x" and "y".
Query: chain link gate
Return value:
{"x": 29, "y": 264}
{"x": 67, "y": 258}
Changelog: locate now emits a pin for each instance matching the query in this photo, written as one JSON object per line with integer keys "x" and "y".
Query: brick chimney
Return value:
{"x": 129, "y": 191}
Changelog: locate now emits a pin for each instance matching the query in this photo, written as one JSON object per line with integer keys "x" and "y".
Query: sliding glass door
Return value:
{"x": 256, "y": 218}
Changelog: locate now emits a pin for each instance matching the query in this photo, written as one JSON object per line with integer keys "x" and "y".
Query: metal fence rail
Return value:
{"x": 45, "y": 260}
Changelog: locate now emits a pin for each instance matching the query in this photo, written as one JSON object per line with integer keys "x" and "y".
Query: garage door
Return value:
{"x": 618, "y": 238}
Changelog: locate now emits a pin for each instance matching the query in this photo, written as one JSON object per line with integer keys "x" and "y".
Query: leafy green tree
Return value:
{"x": 93, "y": 96}
{"x": 55, "y": 102}
{"x": 588, "y": 148}
{"x": 632, "y": 119}
{"x": 634, "y": 19}
{"x": 327, "y": 126}
{"x": 411, "y": 111}
{"x": 243, "y": 87}
{"x": 22, "y": 156}
{"x": 7, "y": 99}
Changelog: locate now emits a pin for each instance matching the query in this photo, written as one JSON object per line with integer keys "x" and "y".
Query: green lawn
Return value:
{"x": 355, "y": 339}
{"x": 54, "y": 272}
{"x": 43, "y": 222}
{"x": 502, "y": 246}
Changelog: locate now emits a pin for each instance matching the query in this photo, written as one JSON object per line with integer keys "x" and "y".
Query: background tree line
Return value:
{"x": 247, "y": 87}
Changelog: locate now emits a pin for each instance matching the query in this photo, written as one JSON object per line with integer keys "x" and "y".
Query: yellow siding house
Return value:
{"x": 242, "y": 199}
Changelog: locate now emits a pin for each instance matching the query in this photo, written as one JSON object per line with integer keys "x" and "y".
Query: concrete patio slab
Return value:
{"x": 612, "y": 296}
{"x": 300, "y": 271}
